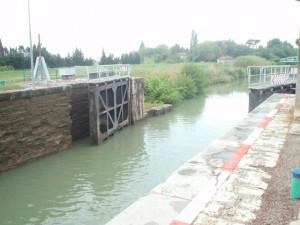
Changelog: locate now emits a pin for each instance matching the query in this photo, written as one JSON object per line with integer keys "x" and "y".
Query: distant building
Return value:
{"x": 182, "y": 55}
{"x": 225, "y": 59}
{"x": 1, "y": 49}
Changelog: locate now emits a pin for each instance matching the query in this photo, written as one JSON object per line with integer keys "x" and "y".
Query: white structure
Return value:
{"x": 67, "y": 73}
{"x": 41, "y": 72}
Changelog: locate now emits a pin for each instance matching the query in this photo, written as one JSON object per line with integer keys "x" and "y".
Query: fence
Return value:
{"x": 271, "y": 76}
{"x": 14, "y": 79}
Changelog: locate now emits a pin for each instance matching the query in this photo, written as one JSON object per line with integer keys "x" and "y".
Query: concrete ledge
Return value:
{"x": 29, "y": 93}
{"x": 158, "y": 110}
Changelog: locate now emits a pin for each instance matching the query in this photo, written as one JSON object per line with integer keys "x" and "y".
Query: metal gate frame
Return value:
{"x": 109, "y": 108}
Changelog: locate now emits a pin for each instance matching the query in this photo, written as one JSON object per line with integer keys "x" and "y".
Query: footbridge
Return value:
{"x": 263, "y": 81}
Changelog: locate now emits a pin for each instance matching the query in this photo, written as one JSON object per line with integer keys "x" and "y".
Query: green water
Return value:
{"x": 91, "y": 184}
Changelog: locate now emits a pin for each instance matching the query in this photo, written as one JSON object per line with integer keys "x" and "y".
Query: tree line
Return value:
{"x": 208, "y": 51}
{"x": 19, "y": 58}
{"x": 212, "y": 50}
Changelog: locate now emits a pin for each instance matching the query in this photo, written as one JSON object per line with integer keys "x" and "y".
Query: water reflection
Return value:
{"x": 90, "y": 184}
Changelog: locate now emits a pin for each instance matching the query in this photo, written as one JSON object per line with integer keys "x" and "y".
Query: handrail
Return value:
{"x": 271, "y": 75}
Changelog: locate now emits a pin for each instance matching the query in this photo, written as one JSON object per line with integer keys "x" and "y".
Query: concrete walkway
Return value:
{"x": 216, "y": 188}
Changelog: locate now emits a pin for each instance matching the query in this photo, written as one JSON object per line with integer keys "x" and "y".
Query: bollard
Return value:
{"x": 295, "y": 184}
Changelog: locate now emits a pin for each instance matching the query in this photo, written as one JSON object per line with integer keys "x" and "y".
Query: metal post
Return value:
{"x": 30, "y": 40}
{"x": 297, "y": 102}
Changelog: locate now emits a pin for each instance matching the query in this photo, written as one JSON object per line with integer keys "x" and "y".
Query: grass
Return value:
{"x": 214, "y": 71}
{"x": 164, "y": 82}
{"x": 14, "y": 79}
{"x": 171, "y": 83}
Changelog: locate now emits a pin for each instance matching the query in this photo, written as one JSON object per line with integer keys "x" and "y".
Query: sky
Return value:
{"x": 119, "y": 26}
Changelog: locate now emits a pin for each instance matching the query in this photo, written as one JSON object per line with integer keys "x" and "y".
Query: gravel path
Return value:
{"x": 277, "y": 208}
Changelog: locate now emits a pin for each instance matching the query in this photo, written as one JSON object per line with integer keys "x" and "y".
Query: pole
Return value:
{"x": 297, "y": 102}
{"x": 30, "y": 40}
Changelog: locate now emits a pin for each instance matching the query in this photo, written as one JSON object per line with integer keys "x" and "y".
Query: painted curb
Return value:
{"x": 192, "y": 210}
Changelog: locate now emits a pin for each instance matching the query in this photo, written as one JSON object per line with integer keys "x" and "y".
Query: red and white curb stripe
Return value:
{"x": 192, "y": 210}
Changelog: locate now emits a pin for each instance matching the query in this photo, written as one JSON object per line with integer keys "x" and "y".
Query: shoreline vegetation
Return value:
{"x": 168, "y": 83}
{"x": 172, "y": 83}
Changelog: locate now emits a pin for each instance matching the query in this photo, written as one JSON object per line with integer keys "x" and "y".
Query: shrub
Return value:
{"x": 250, "y": 60}
{"x": 159, "y": 88}
{"x": 185, "y": 86}
{"x": 6, "y": 68}
{"x": 197, "y": 75}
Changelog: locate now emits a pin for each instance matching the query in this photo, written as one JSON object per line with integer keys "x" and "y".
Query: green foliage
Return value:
{"x": 185, "y": 86}
{"x": 250, "y": 60}
{"x": 19, "y": 58}
{"x": 6, "y": 68}
{"x": 281, "y": 49}
{"x": 196, "y": 74}
{"x": 130, "y": 58}
{"x": 207, "y": 51}
{"x": 160, "y": 88}
{"x": 162, "y": 53}
{"x": 185, "y": 81}
{"x": 210, "y": 51}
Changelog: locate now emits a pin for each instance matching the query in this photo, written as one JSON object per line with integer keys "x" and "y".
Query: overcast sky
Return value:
{"x": 119, "y": 26}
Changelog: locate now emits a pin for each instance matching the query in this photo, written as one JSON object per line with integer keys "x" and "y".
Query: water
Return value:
{"x": 91, "y": 184}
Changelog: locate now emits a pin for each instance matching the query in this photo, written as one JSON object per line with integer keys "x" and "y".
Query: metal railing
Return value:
{"x": 102, "y": 71}
{"x": 289, "y": 60}
{"x": 271, "y": 76}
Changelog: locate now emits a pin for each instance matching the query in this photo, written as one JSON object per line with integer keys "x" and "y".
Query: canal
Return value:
{"x": 91, "y": 184}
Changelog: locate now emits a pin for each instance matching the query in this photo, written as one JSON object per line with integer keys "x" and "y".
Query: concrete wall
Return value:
{"x": 33, "y": 123}
{"x": 136, "y": 99}
{"x": 257, "y": 96}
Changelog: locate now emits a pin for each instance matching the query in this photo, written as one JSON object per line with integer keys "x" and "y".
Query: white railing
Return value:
{"x": 271, "y": 76}
{"x": 66, "y": 72}
{"x": 101, "y": 71}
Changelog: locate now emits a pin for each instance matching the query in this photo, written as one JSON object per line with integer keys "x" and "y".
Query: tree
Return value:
{"x": 193, "y": 41}
{"x": 78, "y": 58}
{"x": 1, "y": 49}
{"x": 281, "y": 49}
{"x": 230, "y": 48}
{"x": 252, "y": 43}
{"x": 206, "y": 51}
{"x": 142, "y": 51}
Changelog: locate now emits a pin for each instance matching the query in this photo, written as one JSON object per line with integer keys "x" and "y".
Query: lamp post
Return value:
{"x": 30, "y": 40}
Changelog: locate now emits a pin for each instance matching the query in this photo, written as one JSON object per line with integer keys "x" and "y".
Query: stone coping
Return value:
{"x": 32, "y": 92}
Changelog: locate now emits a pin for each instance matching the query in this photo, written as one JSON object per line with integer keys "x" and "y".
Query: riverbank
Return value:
{"x": 172, "y": 83}
{"x": 200, "y": 193}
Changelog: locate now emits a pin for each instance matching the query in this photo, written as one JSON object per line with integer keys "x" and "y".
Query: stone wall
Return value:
{"x": 37, "y": 122}
{"x": 80, "y": 111}
{"x": 33, "y": 123}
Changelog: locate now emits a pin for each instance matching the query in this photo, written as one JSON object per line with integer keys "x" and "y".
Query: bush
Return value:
{"x": 159, "y": 88}
{"x": 185, "y": 86}
{"x": 6, "y": 68}
{"x": 250, "y": 60}
{"x": 196, "y": 74}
